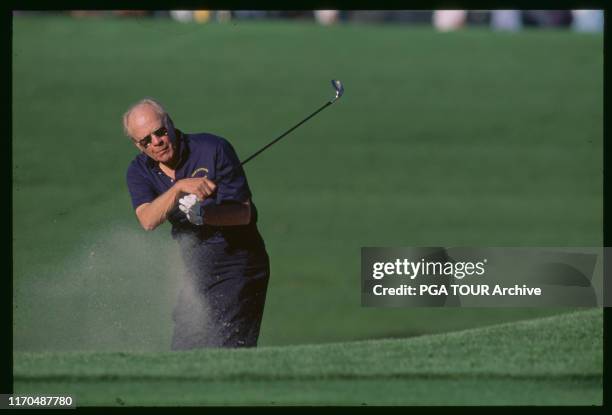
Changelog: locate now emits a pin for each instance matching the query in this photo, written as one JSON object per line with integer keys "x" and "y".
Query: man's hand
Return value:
{"x": 191, "y": 206}
{"x": 201, "y": 187}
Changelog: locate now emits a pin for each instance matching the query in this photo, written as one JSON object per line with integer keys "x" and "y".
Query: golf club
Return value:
{"x": 339, "y": 91}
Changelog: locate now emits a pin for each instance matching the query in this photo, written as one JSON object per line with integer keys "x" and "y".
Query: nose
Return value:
{"x": 155, "y": 140}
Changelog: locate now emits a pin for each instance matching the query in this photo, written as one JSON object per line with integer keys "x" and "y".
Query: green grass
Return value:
{"x": 555, "y": 360}
{"x": 471, "y": 138}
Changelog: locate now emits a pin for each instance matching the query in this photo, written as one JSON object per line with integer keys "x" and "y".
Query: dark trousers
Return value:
{"x": 222, "y": 299}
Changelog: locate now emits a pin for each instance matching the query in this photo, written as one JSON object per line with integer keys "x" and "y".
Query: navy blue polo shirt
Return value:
{"x": 200, "y": 155}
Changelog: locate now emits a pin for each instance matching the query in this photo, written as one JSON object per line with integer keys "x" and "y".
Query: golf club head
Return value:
{"x": 339, "y": 89}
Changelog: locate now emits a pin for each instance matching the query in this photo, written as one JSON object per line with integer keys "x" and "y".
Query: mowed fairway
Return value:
{"x": 472, "y": 138}
{"x": 552, "y": 361}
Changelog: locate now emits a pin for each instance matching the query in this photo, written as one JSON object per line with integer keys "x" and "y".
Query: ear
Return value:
{"x": 137, "y": 145}
{"x": 170, "y": 127}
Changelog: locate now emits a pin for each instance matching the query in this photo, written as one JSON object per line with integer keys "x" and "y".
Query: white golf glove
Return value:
{"x": 192, "y": 207}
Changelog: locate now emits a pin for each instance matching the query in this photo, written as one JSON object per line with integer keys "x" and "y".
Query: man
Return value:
{"x": 195, "y": 181}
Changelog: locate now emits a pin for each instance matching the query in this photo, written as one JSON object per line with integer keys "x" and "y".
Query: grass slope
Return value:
{"x": 555, "y": 360}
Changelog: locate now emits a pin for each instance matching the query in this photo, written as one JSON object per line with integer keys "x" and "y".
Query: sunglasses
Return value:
{"x": 146, "y": 141}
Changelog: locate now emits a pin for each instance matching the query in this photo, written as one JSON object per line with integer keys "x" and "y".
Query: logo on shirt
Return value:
{"x": 198, "y": 170}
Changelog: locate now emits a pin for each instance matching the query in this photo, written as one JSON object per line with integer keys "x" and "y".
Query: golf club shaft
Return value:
{"x": 245, "y": 161}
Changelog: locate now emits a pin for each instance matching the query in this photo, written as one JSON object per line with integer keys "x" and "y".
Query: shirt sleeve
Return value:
{"x": 141, "y": 190}
{"x": 232, "y": 184}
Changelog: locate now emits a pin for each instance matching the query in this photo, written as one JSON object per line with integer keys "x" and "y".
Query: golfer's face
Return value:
{"x": 150, "y": 135}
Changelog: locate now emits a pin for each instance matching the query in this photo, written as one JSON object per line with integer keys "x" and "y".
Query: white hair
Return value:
{"x": 154, "y": 104}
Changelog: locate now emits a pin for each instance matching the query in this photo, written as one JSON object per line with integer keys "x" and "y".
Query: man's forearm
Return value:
{"x": 228, "y": 214}
{"x": 151, "y": 215}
